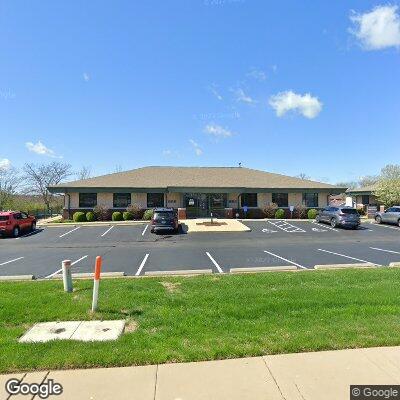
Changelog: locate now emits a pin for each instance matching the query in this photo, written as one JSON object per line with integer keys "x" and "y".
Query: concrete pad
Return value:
{"x": 325, "y": 375}
{"x": 395, "y": 264}
{"x": 180, "y": 272}
{"x": 338, "y": 266}
{"x": 263, "y": 269}
{"x": 3, "y": 379}
{"x": 99, "y": 331}
{"x": 46, "y": 331}
{"x": 107, "y": 383}
{"x": 31, "y": 377}
{"x": 229, "y": 225}
{"x": 16, "y": 278}
{"x": 239, "y": 379}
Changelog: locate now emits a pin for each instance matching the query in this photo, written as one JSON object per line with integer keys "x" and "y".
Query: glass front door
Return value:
{"x": 201, "y": 205}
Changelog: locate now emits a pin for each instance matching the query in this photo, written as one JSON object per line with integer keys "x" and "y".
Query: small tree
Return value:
{"x": 10, "y": 180}
{"x": 300, "y": 210}
{"x": 84, "y": 173}
{"x": 270, "y": 209}
{"x": 387, "y": 189}
{"x": 39, "y": 177}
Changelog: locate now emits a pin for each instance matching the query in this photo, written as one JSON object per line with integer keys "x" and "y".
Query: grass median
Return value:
{"x": 176, "y": 319}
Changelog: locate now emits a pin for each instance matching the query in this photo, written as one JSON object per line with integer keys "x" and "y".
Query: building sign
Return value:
{"x": 191, "y": 202}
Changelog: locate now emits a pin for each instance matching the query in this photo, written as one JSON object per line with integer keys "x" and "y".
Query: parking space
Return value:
{"x": 135, "y": 250}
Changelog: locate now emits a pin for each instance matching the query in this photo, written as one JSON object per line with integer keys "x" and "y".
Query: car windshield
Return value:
{"x": 164, "y": 215}
{"x": 349, "y": 211}
{"x": 3, "y": 217}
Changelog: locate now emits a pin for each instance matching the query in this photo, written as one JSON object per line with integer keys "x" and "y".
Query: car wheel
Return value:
{"x": 317, "y": 219}
{"x": 378, "y": 219}
{"x": 333, "y": 223}
{"x": 16, "y": 231}
{"x": 33, "y": 226}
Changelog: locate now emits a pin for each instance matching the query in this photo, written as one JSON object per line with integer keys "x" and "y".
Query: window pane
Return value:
{"x": 218, "y": 200}
{"x": 155, "y": 200}
{"x": 349, "y": 211}
{"x": 248, "y": 199}
{"x": 87, "y": 200}
{"x": 121, "y": 200}
{"x": 310, "y": 199}
{"x": 281, "y": 199}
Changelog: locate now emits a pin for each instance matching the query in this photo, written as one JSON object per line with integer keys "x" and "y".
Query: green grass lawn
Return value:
{"x": 204, "y": 318}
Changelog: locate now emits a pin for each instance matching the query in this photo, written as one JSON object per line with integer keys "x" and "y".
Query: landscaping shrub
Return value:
{"x": 361, "y": 211}
{"x": 102, "y": 213}
{"x": 135, "y": 210}
{"x": 117, "y": 216}
{"x": 90, "y": 217}
{"x": 312, "y": 213}
{"x": 148, "y": 215}
{"x": 79, "y": 216}
{"x": 128, "y": 216}
{"x": 300, "y": 211}
{"x": 280, "y": 213}
{"x": 270, "y": 210}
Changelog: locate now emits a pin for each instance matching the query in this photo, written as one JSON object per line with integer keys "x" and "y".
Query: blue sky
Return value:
{"x": 288, "y": 86}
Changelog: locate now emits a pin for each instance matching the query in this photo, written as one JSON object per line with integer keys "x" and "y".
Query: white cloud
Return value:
{"x": 377, "y": 29}
{"x": 86, "y": 77}
{"x": 40, "y": 148}
{"x": 274, "y": 68}
{"x": 170, "y": 153}
{"x": 257, "y": 74}
{"x": 196, "y": 147}
{"x": 214, "y": 91}
{"x": 5, "y": 164}
{"x": 241, "y": 96}
{"x": 217, "y": 131}
{"x": 306, "y": 105}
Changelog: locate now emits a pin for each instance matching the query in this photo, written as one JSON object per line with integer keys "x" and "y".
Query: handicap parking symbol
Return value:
{"x": 319, "y": 230}
{"x": 265, "y": 230}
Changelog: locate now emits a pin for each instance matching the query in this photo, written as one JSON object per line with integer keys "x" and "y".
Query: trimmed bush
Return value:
{"x": 312, "y": 213}
{"x": 280, "y": 213}
{"x": 90, "y": 217}
{"x": 361, "y": 211}
{"x": 79, "y": 216}
{"x": 270, "y": 210}
{"x": 135, "y": 210}
{"x": 128, "y": 216}
{"x": 148, "y": 215}
{"x": 117, "y": 216}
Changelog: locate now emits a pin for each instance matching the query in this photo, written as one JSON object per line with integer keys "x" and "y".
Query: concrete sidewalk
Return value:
{"x": 312, "y": 376}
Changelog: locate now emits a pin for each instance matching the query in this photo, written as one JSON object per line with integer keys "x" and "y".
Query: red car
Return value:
{"x": 14, "y": 222}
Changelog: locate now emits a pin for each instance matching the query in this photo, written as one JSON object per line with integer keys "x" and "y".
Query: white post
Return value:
{"x": 97, "y": 271}
{"x": 67, "y": 276}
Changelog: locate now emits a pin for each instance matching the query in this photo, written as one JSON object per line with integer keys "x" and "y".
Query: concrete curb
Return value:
{"x": 17, "y": 278}
{"x": 90, "y": 275}
{"x": 339, "y": 266}
{"x": 99, "y": 223}
{"x": 281, "y": 268}
{"x": 395, "y": 264}
{"x": 180, "y": 272}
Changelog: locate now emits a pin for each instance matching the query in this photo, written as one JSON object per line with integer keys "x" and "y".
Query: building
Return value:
{"x": 363, "y": 196}
{"x": 198, "y": 190}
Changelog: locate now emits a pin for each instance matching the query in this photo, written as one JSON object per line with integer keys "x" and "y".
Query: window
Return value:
{"x": 365, "y": 199}
{"x": 310, "y": 199}
{"x": 155, "y": 200}
{"x": 17, "y": 216}
{"x": 121, "y": 200}
{"x": 349, "y": 211}
{"x": 280, "y": 199}
{"x": 87, "y": 200}
{"x": 3, "y": 217}
{"x": 248, "y": 199}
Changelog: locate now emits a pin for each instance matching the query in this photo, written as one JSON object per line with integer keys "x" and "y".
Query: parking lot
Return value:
{"x": 135, "y": 251}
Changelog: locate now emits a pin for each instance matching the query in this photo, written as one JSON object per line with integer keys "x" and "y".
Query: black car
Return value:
{"x": 344, "y": 216}
{"x": 164, "y": 219}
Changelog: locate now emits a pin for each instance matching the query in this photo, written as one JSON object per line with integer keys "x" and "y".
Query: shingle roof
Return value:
{"x": 198, "y": 177}
{"x": 364, "y": 189}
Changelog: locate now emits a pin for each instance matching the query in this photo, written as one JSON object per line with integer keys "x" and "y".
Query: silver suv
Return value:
{"x": 389, "y": 216}
{"x": 344, "y": 216}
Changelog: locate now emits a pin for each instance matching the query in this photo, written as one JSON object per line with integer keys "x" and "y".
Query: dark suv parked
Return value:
{"x": 344, "y": 216}
{"x": 164, "y": 219}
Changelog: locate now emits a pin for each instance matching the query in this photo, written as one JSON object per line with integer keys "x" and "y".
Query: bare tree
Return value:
{"x": 367, "y": 180}
{"x": 39, "y": 177}
{"x": 84, "y": 173}
{"x": 303, "y": 176}
{"x": 10, "y": 181}
{"x": 118, "y": 168}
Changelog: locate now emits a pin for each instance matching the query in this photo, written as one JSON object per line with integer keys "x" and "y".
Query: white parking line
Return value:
{"x": 350, "y": 258}
{"x": 386, "y": 226}
{"x": 145, "y": 229}
{"x": 67, "y": 233}
{"x": 142, "y": 264}
{"x": 387, "y": 251}
{"x": 214, "y": 262}
{"x": 10, "y": 261}
{"x": 59, "y": 270}
{"x": 325, "y": 226}
{"x": 108, "y": 230}
{"x": 285, "y": 226}
{"x": 285, "y": 259}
